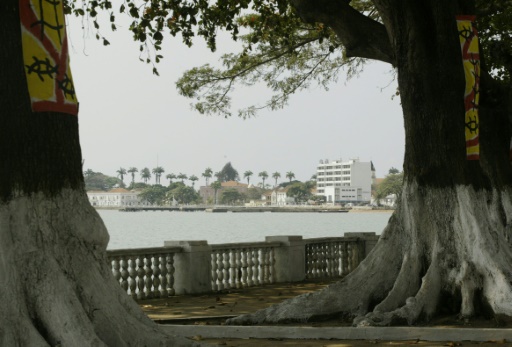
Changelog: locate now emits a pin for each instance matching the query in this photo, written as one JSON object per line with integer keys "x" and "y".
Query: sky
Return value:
{"x": 131, "y": 118}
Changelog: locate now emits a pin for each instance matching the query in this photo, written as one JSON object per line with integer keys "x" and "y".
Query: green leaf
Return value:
{"x": 134, "y": 12}
{"x": 158, "y": 36}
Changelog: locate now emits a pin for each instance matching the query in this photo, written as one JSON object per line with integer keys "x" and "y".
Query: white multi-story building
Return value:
{"x": 345, "y": 181}
{"x": 117, "y": 197}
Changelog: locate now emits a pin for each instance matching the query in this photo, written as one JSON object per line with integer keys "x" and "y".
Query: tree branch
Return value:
{"x": 362, "y": 36}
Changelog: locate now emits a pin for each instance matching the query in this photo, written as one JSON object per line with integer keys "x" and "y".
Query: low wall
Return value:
{"x": 194, "y": 267}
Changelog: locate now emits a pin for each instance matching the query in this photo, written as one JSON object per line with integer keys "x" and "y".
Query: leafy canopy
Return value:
{"x": 277, "y": 47}
{"x": 228, "y": 173}
{"x": 392, "y": 184}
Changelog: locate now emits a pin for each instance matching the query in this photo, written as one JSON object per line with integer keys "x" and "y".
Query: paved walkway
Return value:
{"x": 201, "y": 317}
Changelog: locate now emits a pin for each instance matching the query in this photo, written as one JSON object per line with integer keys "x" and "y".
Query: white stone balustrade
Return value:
{"x": 145, "y": 273}
{"x": 241, "y": 265}
{"x": 194, "y": 267}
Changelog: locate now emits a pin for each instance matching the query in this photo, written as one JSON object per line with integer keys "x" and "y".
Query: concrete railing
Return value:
{"x": 193, "y": 267}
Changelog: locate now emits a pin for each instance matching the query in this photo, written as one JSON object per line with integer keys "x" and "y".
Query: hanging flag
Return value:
{"x": 45, "y": 56}
{"x": 471, "y": 61}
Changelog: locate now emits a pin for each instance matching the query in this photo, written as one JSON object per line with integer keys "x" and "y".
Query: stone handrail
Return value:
{"x": 241, "y": 265}
{"x": 333, "y": 257}
{"x": 193, "y": 267}
{"x": 145, "y": 273}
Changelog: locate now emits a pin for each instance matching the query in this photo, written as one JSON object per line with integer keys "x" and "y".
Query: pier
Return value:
{"x": 237, "y": 209}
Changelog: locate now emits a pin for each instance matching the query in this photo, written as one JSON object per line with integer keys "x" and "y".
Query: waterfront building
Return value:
{"x": 117, "y": 197}
{"x": 343, "y": 182}
{"x": 279, "y": 197}
{"x": 207, "y": 193}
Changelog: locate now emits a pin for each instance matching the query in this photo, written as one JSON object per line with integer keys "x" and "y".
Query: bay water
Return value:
{"x": 151, "y": 229}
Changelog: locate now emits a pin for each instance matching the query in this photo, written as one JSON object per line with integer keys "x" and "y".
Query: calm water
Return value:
{"x": 151, "y": 229}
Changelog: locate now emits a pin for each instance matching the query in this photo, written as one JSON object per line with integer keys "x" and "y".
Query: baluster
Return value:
{"x": 315, "y": 257}
{"x": 114, "y": 262}
{"x": 344, "y": 261}
{"x": 323, "y": 262}
{"x": 244, "y": 265}
{"x": 214, "y": 268}
{"x": 140, "y": 278}
{"x": 132, "y": 283}
{"x": 265, "y": 260}
{"x": 327, "y": 259}
{"x": 337, "y": 262}
{"x": 309, "y": 265}
{"x": 350, "y": 255}
{"x": 148, "y": 281}
{"x": 256, "y": 269}
{"x": 220, "y": 271}
{"x": 156, "y": 276}
{"x": 250, "y": 267}
{"x": 232, "y": 268}
{"x": 331, "y": 259}
{"x": 225, "y": 269}
{"x": 272, "y": 263}
{"x": 170, "y": 273}
{"x": 326, "y": 247}
{"x": 238, "y": 268}
{"x": 124, "y": 273}
{"x": 163, "y": 276}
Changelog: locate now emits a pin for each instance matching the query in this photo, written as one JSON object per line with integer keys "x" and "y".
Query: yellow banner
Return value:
{"x": 471, "y": 61}
{"x": 45, "y": 56}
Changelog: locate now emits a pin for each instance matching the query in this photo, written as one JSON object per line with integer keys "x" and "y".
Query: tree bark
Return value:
{"x": 56, "y": 287}
{"x": 447, "y": 246}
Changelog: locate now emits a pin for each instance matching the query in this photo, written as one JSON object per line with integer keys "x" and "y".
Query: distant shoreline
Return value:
{"x": 358, "y": 210}
{"x": 275, "y": 209}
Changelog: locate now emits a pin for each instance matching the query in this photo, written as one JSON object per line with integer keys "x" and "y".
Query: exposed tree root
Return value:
{"x": 56, "y": 287}
{"x": 440, "y": 246}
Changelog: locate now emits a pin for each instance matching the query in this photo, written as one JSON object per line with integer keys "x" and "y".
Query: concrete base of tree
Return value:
{"x": 442, "y": 248}
{"x": 57, "y": 289}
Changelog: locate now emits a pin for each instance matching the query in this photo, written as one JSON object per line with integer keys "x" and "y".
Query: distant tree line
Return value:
{"x": 177, "y": 191}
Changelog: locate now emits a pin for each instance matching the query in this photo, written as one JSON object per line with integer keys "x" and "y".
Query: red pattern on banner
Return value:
{"x": 28, "y": 18}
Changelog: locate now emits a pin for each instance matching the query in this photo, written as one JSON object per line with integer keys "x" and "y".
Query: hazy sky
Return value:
{"x": 129, "y": 117}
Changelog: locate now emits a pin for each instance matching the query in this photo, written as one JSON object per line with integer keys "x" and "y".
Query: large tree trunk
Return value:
{"x": 56, "y": 287}
{"x": 447, "y": 244}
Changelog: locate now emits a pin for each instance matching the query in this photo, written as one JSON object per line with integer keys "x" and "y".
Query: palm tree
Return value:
{"x": 170, "y": 177}
{"x": 120, "y": 173}
{"x": 207, "y": 174}
{"x": 264, "y": 176}
{"x": 248, "y": 175}
{"x": 132, "y": 171}
{"x": 182, "y": 177}
{"x": 193, "y": 178}
{"x": 145, "y": 174}
{"x": 158, "y": 171}
{"x": 216, "y": 186}
{"x": 290, "y": 175}
{"x": 276, "y": 175}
